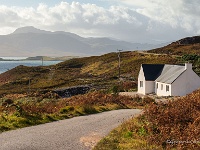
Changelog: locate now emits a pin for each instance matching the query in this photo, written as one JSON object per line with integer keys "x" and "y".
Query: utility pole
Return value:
{"x": 29, "y": 85}
{"x": 119, "y": 62}
{"x": 42, "y": 61}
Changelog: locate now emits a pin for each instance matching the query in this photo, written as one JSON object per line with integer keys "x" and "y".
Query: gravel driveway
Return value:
{"x": 79, "y": 133}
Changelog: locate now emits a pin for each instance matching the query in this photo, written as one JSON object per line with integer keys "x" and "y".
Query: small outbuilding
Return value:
{"x": 167, "y": 80}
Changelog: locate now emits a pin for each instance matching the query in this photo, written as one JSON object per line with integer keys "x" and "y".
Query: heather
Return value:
{"x": 21, "y": 110}
{"x": 173, "y": 125}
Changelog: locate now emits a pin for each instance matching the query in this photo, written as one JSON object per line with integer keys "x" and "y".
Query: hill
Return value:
{"x": 100, "y": 72}
{"x": 188, "y": 45}
{"x": 29, "y": 41}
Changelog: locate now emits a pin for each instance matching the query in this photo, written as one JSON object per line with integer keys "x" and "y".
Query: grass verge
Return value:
{"x": 131, "y": 135}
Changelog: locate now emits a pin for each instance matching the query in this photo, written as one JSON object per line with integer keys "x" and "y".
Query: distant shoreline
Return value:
{"x": 37, "y": 58}
{"x": 8, "y": 65}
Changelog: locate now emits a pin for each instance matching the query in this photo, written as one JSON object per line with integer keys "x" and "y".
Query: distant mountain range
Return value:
{"x": 29, "y": 41}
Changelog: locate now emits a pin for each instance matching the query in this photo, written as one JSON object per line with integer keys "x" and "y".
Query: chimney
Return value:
{"x": 188, "y": 66}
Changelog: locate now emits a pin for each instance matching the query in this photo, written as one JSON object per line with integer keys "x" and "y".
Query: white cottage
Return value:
{"x": 167, "y": 80}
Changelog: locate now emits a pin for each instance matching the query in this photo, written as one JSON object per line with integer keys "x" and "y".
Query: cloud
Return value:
{"x": 138, "y": 21}
{"x": 178, "y": 14}
{"x": 85, "y": 18}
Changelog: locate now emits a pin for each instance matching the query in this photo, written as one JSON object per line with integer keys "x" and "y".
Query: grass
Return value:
{"x": 99, "y": 71}
{"x": 130, "y": 135}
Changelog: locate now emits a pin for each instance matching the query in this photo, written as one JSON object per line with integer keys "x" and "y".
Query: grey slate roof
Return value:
{"x": 162, "y": 73}
{"x": 170, "y": 73}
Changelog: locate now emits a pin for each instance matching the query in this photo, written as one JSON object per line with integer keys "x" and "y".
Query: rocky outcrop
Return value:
{"x": 189, "y": 40}
{"x": 71, "y": 91}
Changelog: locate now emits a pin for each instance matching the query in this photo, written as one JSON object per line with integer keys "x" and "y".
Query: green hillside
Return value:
{"x": 99, "y": 71}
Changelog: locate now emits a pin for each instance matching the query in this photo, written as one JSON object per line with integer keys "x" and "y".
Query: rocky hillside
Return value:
{"x": 189, "y": 40}
{"x": 189, "y": 45}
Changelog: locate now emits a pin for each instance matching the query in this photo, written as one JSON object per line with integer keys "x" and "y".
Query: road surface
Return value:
{"x": 78, "y": 133}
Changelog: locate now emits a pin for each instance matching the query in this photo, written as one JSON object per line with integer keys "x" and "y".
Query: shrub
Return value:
{"x": 115, "y": 89}
{"x": 66, "y": 109}
{"x": 148, "y": 100}
{"x": 89, "y": 109}
{"x": 129, "y": 85}
{"x": 8, "y": 102}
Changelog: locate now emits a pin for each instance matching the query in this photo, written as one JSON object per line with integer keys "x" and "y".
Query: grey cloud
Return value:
{"x": 159, "y": 19}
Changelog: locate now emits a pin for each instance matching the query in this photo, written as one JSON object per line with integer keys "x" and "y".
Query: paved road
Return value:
{"x": 79, "y": 133}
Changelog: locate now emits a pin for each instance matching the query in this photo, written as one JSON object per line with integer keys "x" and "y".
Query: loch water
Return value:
{"x": 7, "y": 65}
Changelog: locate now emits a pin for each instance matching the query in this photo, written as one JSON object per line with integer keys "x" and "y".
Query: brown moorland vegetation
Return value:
{"x": 178, "y": 49}
{"x": 18, "y": 110}
{"x": 99, "y": 71}
{"x": 188, "y": 45}
{"x": 174, "y": 125}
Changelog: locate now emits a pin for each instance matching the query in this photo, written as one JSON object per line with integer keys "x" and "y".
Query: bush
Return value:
{"x": 148, "y": 100}
{"x": 115, "y": 89}
{"x": 89, "y": 109}
{"x": 129, "y": 85}
{"x": 66, "y": 109}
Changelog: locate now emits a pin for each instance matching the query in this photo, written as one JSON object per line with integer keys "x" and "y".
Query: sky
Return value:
{"x": 143, "y": 21}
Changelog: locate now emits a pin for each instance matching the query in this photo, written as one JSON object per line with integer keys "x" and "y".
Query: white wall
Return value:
{"x": 188, "y": 82}
{"x": 141, "y": 78}
{"x": 162, "y": 92}
{"x": 194, "y": 82}
{"x": 149, "y": 87}
{"x": 179, "y": 85}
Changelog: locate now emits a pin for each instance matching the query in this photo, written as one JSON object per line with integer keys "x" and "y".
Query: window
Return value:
{"x": 161, "y": 86}
{"x": 167, "y": 88}
{"x": 157, "y": 85}
{"x": 141, "y": 83}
